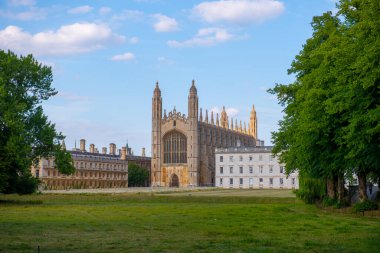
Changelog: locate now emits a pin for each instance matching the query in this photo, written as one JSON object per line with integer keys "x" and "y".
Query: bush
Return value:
{"x": 365, "y": 206}
{"x": 27, "y": 184}
{"x": 311, "y": 189}
{"x": 329, "y": 202}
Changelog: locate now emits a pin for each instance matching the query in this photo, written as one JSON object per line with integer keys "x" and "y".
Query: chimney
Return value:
{"x": 123, "y": 153}
{"x": 104, "y": 150}
{"x": 92, "y": 148}
{"x": 143, "y": 152}
{"x": 83, "y": 145}
{"x": 112, "y": 149}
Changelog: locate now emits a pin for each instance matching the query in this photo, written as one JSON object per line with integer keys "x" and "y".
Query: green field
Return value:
{"x": 180, "y": 222}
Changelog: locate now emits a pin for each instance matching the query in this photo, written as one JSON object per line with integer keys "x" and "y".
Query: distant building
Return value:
{"x": 183, "y": 146}
{"x": 93, "y": 169}
{"x": 251, "y": 167}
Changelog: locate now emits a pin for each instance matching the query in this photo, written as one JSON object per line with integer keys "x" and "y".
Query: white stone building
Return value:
{"x": 251, "y": 167}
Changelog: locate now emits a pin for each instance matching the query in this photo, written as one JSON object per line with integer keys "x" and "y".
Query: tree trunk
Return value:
{"x": 341, "y": 190}
{"x": 331, "y": 192}
{"x": 362, "y": 177}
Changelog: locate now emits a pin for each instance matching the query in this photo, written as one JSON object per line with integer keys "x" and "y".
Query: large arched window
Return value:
{"x": 175, "y": 148}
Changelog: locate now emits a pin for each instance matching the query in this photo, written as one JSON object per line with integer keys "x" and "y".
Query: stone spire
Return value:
{"x": 157, "y": 91}
{"x": 224, "y": 118}
{"x": 193, "y": 89}
{"x": 245, "y": 128}
{"x": 206, "y": 118}
{"x": 253, "y": 123}
{"x": 217, "y": 119}
{"x": 165, "y": 116}
{"x": 212, "y": 118}
{"x": 232, "y": 124}
{"x": 240, "y": 127}
{"x": 200, "y": 115}
{"x": 236, "y": 125}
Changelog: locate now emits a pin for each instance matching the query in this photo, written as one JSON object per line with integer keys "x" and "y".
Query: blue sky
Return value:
{"x": 107, "y": 55}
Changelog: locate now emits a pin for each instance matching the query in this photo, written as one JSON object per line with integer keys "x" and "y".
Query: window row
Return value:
{"x": 90, "y": 174}
{"x": 261, "y": 180}
{"x": 240, "y": 158}
{"x": 250, "y": 169}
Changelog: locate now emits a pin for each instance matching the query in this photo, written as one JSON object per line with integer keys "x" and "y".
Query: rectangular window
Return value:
{"x": 231, "y": 170}
{"x": 241, "y": 170}
{"x": 271, "y": 169}
{"x": 281, "y": 169}
{"x": 241, "y": 158}
{"x": 241, "y": 181}
{"x": 221, "y": 181}
{"x": 221, "y": 170}
{"x": 250, "y": 170}
{"x": 293, "y": 181}
{"x": 231, "y": 158}
{"x": 261, "y": 180}
{"x": 261, "y": 168}
{"x": 281, "y": 181}
{"x": 221, "y": 158}
{"x": 270, "y": 180}
{"x": 231, "y": 181}
{"x": 250, "y": 158}
{"x": 251, "y": 182}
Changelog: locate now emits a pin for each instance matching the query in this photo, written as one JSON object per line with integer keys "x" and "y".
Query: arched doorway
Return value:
{"x": 174, "y": 182}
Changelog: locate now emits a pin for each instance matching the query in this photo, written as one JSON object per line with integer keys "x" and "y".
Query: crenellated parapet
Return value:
{"x": 223, "y": 123}
{"x": 174, "y": 115}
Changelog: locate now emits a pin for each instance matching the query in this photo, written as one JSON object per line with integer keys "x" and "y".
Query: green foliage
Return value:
{"x": 311, "y": 189}
{"x": 365, "y": 206}
{"x": 137, "y": 176}
{"x": 64, "y": 162}
{"x": 332, "y": 110}
{"x": 25, "y": 132}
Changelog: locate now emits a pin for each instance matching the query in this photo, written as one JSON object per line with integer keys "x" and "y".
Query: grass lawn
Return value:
{"x": 179, "y": 223}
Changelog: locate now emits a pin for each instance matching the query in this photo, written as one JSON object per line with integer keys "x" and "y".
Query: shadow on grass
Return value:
{"x": 20, "y": 202}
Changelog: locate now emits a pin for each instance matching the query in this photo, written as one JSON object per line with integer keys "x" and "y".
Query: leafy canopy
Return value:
{"x": 26, "y": 134}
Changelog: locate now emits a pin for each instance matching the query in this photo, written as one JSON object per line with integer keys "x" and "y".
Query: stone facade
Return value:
{"x": 93, "y": 169}
{"x": 183, "y": 147}
{"x": 254, "y": 167}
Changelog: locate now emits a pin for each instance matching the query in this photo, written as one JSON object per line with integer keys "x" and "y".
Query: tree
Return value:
{"x": 332, "y": 113}
{"x": 26, "y": 135}
{"x": 137, "y": 176}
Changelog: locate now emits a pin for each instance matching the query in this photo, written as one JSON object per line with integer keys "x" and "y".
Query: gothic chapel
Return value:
{"x": 183, "y": 147}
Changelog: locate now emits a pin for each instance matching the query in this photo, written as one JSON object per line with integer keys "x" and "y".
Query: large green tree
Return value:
{"x": 137, "y": 176}
{"x": 26, "y": 134}
{"x": 331, "y": 125}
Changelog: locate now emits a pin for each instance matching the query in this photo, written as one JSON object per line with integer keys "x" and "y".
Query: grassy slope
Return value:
{"x": 141, "y": 223}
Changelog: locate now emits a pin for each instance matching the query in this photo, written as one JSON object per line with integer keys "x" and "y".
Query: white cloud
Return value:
{"x": 31, "y": 14}
{"x": 164, "y": 61}
{"x": 134, "y": 40}
{"x": 104, "y": 10}
{"x": 69, "y": 39}
{"x": 231, "y": 112}
{"x": 123, "y": 57}
{"x": 165, "y": 23}
{"x": 80, "y": 9}
{"x": 129, "y": 15}
{"x": 238, "y": 11}
{"x": 204, "y": 37}
{"x": 21, "y": 2}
